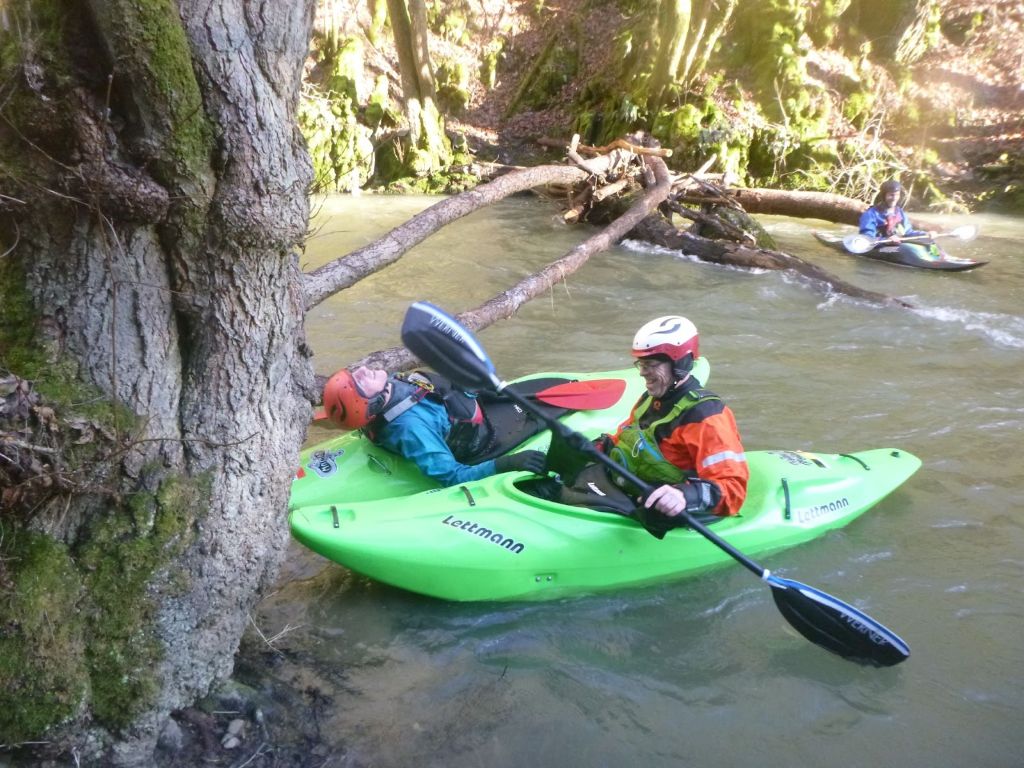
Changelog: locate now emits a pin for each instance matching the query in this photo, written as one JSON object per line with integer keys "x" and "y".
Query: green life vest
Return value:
{"x": 638, "y": 450}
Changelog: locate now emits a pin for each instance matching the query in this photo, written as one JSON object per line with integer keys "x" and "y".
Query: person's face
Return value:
{"x": 369, "y": 381}
{"x": 892, "y": 198}
{"x": 657, "y": 375}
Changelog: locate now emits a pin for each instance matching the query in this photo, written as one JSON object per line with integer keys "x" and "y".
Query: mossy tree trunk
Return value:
{"x": 671, "y": 42}
{"x": 429, "y": 150}
{"x": 664, "y": 50}
{"x": 670, "y": 37}
{"x": 152, "y": 191}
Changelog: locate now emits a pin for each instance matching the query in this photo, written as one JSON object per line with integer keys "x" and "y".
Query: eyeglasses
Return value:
{"x": 645, "y": 366}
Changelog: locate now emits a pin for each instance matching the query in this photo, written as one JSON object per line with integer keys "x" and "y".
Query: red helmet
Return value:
{"x": 672, "y": 335}
{"x": 346, "y": 406}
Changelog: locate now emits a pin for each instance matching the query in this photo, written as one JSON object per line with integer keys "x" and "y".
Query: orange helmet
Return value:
{"x": 345, "y": 405}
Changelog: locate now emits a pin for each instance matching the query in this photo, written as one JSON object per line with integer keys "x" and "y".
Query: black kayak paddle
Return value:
{"x": 442, "y": 342}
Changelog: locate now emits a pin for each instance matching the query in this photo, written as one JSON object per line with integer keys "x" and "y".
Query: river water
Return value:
{"x": 703, "y": 672}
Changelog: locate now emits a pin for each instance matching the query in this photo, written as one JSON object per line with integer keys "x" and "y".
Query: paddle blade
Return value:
{"x": 858, "y": 243}
{"x": 592, "y": 395}
{"x": 439, "y": 340}
{"x": 965, "y": 232}
{"x": 835, "y": 625}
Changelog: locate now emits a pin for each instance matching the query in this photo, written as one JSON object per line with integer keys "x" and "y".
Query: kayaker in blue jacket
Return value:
{"x": 423, "y": 418}
{"x": 886, "y": 218}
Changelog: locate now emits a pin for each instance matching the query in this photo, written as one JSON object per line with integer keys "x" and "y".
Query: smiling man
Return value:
{"x": 678, "y": 436}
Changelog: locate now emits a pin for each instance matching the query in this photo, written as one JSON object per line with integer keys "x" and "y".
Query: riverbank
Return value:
{"x": 949, "y": 122}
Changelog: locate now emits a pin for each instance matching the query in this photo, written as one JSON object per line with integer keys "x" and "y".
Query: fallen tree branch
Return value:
{"x": 827, "y": 206}
{"x": 485, "y": 171}
{"x": 722, "y": 227}
{"x": 506, "y": 303}
{"x": 781, "y": 202}
{"x": 610, "y": 189}
{"x": 636, "y": 149}
{"x": 655, "y": 229}
{"x": 590, "y": 166}
{"x": 350, "y": 269}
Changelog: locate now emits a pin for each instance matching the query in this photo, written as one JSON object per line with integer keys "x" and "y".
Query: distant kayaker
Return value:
{"x": 422, "y": 417}
{"x": 886, "y": 218}
{"x": 678, "y": 434}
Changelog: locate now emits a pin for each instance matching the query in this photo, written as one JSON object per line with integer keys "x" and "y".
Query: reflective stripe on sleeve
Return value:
{"x": 723, "y": 456}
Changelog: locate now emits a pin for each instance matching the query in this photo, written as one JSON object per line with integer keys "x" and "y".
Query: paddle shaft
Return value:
{"x": 860, "y": 243}
{"x": 899, "y": 239}
{"x": 926, "y": 236}
{"x": 580, "y": 443}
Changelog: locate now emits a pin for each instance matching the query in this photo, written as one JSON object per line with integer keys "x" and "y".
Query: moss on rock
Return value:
{"x": 452, "y": 80}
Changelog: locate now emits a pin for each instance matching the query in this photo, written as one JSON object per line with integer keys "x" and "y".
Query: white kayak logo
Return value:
{"x": 323, "y": 462}
{"x": 809, "y": 514}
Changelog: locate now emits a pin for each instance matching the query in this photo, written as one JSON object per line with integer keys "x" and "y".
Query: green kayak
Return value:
{"x": 492, "y": 540}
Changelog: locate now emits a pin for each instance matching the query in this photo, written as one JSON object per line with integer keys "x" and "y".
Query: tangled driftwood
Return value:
{"x": 626, "y": 187}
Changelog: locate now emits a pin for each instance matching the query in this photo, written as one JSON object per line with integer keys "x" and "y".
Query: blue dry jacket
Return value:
{"x": 873, "y": 223}
{"x": 419, "y": 435}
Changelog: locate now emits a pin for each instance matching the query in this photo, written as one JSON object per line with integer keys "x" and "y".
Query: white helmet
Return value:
{"x": 672, "y": 335}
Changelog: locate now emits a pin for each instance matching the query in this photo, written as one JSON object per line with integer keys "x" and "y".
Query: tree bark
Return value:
{"x": 166, "y": 186}
{"x": 673, "y": 26}
{"x": 695, "y": 66}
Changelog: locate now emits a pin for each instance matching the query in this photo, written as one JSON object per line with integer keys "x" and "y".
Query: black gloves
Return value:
{"x": 702, "y": 496}
{"x": 604, "y": 443}
{"x": 524, "y": 461}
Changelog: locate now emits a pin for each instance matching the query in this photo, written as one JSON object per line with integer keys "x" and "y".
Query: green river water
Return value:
{"x": 703, "y": 672}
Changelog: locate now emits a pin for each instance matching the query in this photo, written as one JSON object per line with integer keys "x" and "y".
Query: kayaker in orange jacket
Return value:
{"x": 678, "y": 434}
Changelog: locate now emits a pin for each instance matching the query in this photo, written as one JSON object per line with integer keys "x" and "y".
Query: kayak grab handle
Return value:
{"x": 785, "y": 493}
{"x": 469, "y": 496}
{"x": 857, "y": 459}
{"x": 377, "y": 464}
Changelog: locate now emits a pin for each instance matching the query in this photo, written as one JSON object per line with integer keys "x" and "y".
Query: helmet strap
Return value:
{"x": 376, "y": 404}
{"x": 681, "y": 368}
